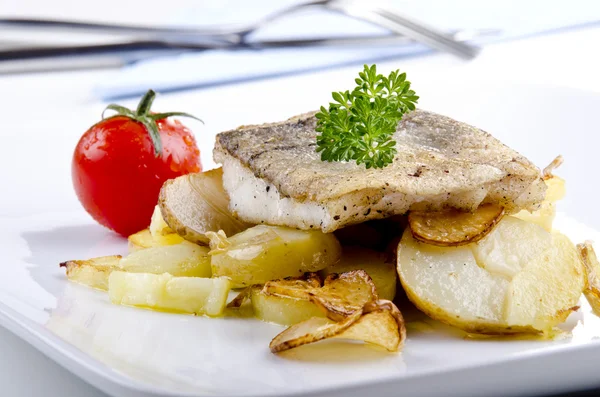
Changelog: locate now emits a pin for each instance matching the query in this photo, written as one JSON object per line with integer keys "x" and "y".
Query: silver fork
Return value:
{"x": 238, "y": 35}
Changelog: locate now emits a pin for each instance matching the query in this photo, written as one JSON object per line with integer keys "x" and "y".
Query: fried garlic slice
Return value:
{"x": 353, "y": 310}
{"x": 453, "y": 227}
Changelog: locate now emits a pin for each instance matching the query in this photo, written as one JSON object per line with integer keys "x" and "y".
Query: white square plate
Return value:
{"x": 132, "y": 352}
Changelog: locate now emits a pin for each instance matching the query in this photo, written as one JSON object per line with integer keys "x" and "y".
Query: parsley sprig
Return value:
{"x": 360, "y": 124}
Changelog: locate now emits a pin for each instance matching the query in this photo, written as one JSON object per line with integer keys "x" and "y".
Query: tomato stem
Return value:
{"x": 146, "y": 103}
{"x": 149, "y": 120}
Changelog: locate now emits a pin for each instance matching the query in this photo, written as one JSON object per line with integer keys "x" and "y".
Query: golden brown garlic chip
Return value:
{"x": 353, "y": 311}
{"x": 378, "y": 322}
{"x": 453, "y": 227}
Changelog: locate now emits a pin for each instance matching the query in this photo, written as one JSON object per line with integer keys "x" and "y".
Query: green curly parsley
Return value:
{"x": 360, "y": 124}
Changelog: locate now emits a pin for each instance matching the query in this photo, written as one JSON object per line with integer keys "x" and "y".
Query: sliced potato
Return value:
{"x": 512, "y": 246}
{"x": 160, "y": 231}
{"x": 592, "y": 273}
{"x": 92, "y": 272}
{"x": 282, "y": 310}
{"x": 194, "y": 204}
{"x": 166, "y": 292}
{"x": 264, "y": 253}
{"x": 141, "y": 240}
{"x": 548, "y": 288}
{"x": 382, "y": 272}
{"x": 454, "y": 227}
{"x": 516, "y": 287}
{"x": 185, "y": 259}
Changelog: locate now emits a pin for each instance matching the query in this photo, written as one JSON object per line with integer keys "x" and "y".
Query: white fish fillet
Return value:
{"x": 274, "y": 175}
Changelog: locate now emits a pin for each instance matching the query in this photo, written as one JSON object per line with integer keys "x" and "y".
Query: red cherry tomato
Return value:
{"x": 120, "y": 164}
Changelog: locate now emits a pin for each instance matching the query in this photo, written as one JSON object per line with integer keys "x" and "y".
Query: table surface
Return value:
{"x": 568, "y": 59}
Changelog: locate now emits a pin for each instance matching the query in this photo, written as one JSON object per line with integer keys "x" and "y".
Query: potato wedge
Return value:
{"x": 263, "y": 253}
{"x": 194, "y": 204}
{"x": 376, "y": 264}
{"x": 92, "y": 272}
{"x": 592, "y": 273}
{"x": 161, "y": 232}
{"x": 528, "y": 281}
{"x": 168, "y": 293}
{"x": 282, "y": 310}
{"x": 184, "y": 260}
{"x": 141, "y": 240}
{"x": 453, "y": 227}
{"x": 548, "y": 288}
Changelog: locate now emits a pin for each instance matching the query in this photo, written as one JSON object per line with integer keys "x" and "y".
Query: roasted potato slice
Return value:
{"x": 185, "y": 260}
{"x": 194, "y": 204}
{"x": 140, "y": 240}
{"x": 453, "y": 227}
{"x": 376, "y": 264}
{"x": 282, "y": 310}
{"x": 263, "y": 253}
{"x": 92, "y": 272}
{"x": 168, "y": 293}
{"x": 520, "y": 278}
{"x": 160, "y": 231}
{"x": 592, "y": 272}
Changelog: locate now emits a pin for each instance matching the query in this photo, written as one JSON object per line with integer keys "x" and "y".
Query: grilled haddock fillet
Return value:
{"x": 274, "y": 175}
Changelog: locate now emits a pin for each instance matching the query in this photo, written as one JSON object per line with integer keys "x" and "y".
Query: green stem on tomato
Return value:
{"x": 146, "y": 103}
{"x": 144, "y": 116}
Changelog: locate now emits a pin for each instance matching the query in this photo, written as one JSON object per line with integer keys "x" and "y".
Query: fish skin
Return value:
{"x": 440, "y": 163}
